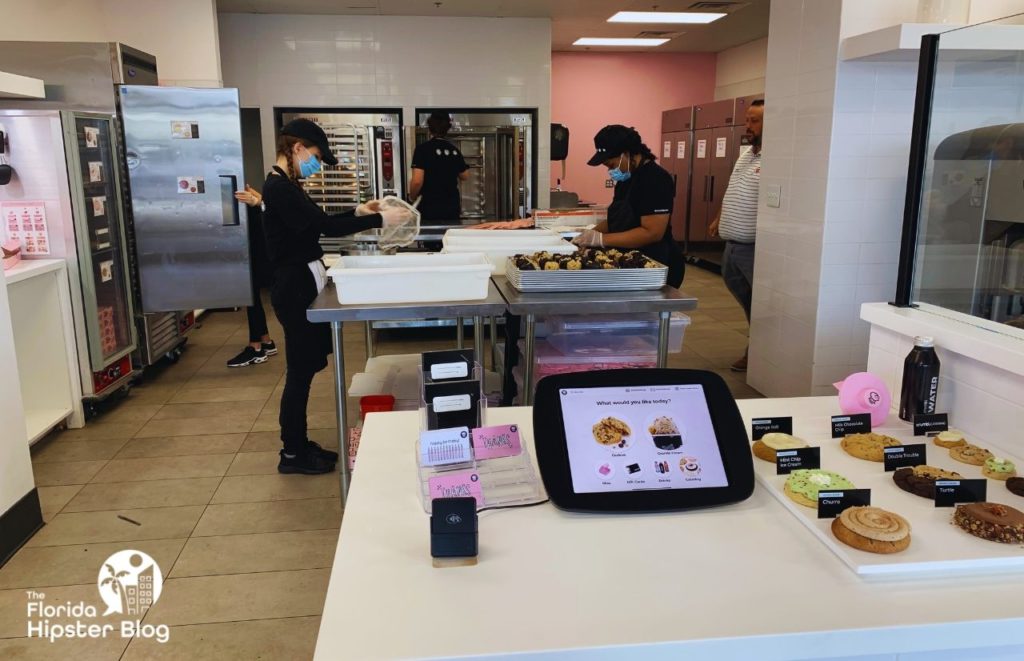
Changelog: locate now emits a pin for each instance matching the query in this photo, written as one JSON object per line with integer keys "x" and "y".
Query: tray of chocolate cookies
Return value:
{"x": 588, "y": 269}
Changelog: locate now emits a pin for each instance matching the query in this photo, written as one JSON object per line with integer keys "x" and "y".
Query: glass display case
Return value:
{"x": 966, "y": 253}
{"x": 96, "y": 196}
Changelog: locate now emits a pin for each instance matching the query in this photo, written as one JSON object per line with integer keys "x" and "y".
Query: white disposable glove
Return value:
{"x": 589, "y": 239}
{"x": 367, "y": 208}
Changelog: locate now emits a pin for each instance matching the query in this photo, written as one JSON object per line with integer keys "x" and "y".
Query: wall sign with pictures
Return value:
{"x": 26, "y": 222}
{"x": 95, "y": 172}
{"x": 99, "y": 206}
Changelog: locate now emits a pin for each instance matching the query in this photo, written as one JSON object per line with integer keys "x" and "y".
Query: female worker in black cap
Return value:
{"x": 293, "y": 224}
{"x": 437, "y": 169}
{"x": 638, "y": 217}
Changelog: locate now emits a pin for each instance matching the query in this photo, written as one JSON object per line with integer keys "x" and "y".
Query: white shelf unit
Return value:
{"x": 44, "y": 342}
{"x": 902, "y": 43}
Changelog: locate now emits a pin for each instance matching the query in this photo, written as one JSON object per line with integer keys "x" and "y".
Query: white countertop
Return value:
{"x": 30, "y": 268}
{"x": 986, "y": 341}
{"x": 739, "y": 582}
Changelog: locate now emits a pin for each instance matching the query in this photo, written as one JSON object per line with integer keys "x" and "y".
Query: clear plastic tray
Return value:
{"x": 504, "y": 481}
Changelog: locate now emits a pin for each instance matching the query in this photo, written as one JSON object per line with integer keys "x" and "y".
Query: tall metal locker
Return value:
{"x": 676, "y": 145}
{"x": 713, "y": 158}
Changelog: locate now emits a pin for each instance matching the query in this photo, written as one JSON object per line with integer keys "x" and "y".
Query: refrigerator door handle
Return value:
{"x": 711, "y": 196}
{"x": 229, "y": 205}
{"x": 704, "y": 193}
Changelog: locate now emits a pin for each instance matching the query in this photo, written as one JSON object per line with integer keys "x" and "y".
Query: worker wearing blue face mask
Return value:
{"x": 638, "y": 217}
{"x": 293, "y": 224}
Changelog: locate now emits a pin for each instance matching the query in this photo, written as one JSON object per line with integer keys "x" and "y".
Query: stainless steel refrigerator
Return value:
{"x": 183, "y": 152}
{"x": 65, "y": 164}
{"x": 499, "y": 148}
{"x": 676, "y": 157}
{"x": 179, "y": 234}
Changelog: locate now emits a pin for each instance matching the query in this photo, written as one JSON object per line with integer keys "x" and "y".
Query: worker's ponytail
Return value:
{"x": 285, "y": 143}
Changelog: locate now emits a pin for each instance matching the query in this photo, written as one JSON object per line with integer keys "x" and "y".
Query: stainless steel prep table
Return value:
{"x": 664, "y": 301}
{"x": 326, "y": 309}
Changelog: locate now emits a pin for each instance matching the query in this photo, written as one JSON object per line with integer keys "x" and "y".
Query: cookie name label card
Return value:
{"x": 904, "y": 455}
{"x": 858, "y": 423}
{"x": 832, "y": 503}
{"x": 444, "y": 446}
{"x": 950, "y": 492}
{"x": 930, "y": 424}
{"x": 494, "y": 442}
{"x": 463, "y": 484}
{"x": 761, "y": 426}
{"x": 787, "y": 461}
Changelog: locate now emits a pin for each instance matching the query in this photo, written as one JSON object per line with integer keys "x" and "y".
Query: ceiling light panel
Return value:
{"x": 610, "y": 41}
{"x": 674, "y": 17}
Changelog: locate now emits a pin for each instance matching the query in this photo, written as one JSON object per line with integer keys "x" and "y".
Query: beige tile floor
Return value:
{"x": 190, "y": 457}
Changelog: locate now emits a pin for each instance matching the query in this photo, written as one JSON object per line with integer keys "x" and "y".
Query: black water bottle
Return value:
{"x": 920, "y": 379}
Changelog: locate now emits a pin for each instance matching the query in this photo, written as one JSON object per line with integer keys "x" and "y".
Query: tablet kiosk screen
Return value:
{"x": 641, "y": 438}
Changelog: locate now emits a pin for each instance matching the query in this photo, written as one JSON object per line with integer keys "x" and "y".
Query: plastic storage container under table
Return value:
{"x": 611, "y": 334}
{"x": 549, "y": 361}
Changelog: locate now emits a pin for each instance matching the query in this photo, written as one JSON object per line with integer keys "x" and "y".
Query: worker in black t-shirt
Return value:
{"x": 293, "y": 224}
{"x": 437, "y": 169}
{"x": 638, "y": 217}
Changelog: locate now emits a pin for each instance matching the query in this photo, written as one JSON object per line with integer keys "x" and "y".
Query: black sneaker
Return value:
{"x": 269, "y": 348}
{"x": 249, "y": 356}
{"x": 305, "y": 463}
{"x": 329, "y": 455}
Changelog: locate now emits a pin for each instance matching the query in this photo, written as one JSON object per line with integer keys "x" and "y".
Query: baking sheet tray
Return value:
{"x": 937, "y": 546}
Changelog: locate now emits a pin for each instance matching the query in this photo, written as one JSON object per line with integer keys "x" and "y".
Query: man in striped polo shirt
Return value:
{"x": 737, "y": 220}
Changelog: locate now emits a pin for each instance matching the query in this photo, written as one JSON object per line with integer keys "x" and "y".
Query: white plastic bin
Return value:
{"x": 411, "y": 278}
{"x": 499, "y": 245}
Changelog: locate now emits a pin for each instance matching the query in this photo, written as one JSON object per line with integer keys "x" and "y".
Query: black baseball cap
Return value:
{"x": 310, "y": 131}
{"x": 612, "y": 140}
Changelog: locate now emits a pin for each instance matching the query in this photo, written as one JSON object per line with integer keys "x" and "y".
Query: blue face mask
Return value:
{"x": 309, "y": 166}
{"x": 617, "y": 175}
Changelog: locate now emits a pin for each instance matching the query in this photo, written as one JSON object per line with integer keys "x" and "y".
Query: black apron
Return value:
{"x": 622, "y": 218}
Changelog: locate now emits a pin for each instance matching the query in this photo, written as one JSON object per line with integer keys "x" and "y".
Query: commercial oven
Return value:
{"x": 499, "y": 149}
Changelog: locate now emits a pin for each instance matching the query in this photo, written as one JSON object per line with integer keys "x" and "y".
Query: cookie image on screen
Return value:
{"x": 665, "y": 433}
{"x": 612, "y": 432}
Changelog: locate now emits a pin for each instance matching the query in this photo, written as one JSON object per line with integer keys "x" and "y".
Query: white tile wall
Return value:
{"x": 842, "y": 164}
{"x": 390, "y": 62}
{"x": 799, "y": 108}
{"x": 981, "y": 399}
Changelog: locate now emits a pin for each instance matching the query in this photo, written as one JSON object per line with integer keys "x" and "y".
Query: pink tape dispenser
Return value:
{"x": 11, "y": 253}
{"x": 863, "y": 392}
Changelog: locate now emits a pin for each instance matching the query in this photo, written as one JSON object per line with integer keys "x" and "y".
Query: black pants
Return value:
{"x": 306, "y": 347}
{"x": 256, "y": 317}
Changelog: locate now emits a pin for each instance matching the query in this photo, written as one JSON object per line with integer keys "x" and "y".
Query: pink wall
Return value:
{"x": 590, "y": 90}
